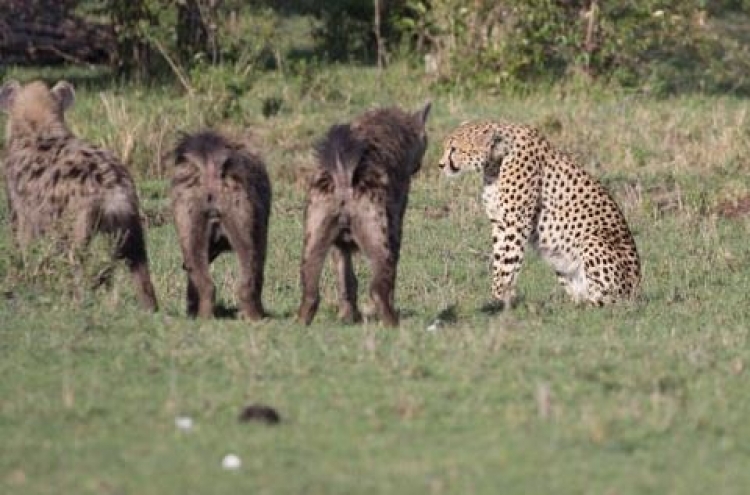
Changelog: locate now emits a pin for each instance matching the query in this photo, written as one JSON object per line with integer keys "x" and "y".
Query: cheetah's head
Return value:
{"x": 472, "y": 146}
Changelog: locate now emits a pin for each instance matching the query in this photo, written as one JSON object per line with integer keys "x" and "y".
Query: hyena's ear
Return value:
{"x": 8, "y": 92}
{"x": 65, "y": 94}
{"x": 422, "y": 114}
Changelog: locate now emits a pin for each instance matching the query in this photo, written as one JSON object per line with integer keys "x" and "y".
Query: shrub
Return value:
{"x": 512, "y": 42}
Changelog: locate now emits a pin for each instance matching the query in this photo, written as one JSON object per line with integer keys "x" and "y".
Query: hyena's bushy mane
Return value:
{"x": 391, "y": 135}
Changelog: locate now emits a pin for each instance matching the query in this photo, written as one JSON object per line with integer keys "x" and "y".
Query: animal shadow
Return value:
{"x": 448, "y": 315}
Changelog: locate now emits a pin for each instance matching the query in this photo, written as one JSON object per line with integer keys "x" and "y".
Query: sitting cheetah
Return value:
{"x": 535, "y": 193}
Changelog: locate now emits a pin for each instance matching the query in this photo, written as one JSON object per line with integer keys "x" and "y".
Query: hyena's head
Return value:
{"x": 34, "y": 108}
{"x": 400, "y": 135}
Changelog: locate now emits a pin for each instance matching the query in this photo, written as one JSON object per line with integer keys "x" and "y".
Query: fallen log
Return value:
{"x": 44, "y": 32}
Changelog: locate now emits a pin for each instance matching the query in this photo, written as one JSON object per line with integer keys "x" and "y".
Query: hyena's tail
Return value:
{"x": 340, "y": 153}
{"x": 120, "y": 216}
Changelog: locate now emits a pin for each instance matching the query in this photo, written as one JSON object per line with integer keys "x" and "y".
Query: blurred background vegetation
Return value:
{"x": 660, "y": 47}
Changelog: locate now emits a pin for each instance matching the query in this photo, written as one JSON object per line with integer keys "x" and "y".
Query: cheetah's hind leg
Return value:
{"x": 601, "y": 272}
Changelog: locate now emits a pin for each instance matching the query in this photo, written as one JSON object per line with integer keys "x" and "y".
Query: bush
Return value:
{"x": 156, "y": 35}
{"x": 514, "y": 42}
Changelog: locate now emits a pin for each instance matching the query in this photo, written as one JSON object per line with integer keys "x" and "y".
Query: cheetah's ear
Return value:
{"x": 422, "y": 114}
{"x": 65, "y": 94}
{"x": 8, "y": 92}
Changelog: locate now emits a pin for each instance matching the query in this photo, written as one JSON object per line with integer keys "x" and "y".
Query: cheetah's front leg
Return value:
{"x": 508, "y": 248}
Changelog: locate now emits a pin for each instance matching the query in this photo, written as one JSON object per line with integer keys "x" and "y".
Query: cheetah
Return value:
{"x": 221, "y": 198}
{"x": 534, "y": 193}
{"x": 356, "y": 200}
{"x": 56, "y": 182}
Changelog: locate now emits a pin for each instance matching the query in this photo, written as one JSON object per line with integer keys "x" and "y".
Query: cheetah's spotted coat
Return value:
{"x": 535, "y": 193}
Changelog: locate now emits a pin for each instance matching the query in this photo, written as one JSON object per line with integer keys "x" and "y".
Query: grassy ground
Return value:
{"x": 648, "y": 398}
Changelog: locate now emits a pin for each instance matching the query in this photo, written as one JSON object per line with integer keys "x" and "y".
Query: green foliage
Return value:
{"x": 670, "y": 46}
{"x": 248, "y": 38}
{"x": 662, "y": 47}
{"x": 343, "y": 30}
{"x": 723, "y": 6}
{"x": 491, "y": 43}
{"x": 140, "y": 27}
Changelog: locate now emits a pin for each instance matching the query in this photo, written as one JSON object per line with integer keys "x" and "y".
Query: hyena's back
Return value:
{"x": 69, "y": 187}
{"x": 67, "y": 180}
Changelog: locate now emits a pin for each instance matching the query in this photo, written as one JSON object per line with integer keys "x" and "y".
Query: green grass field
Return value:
{"x": 547, "y": 398}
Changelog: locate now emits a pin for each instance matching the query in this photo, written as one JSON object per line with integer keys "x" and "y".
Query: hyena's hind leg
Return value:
{"x": 371, "y": 231}
{"x": 83, "y": 228}
{"x": 192, "y": 229}
{"x": 249, "y": 242}
{"x": 131, "y": 247}
{"x": 321, "y": 229}
{"x": 346, "y": 284}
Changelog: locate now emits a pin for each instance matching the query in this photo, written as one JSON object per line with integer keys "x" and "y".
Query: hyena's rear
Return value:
{"x": 221, "y": 196}
{"x": 357, "y": 199}
{"x": 58, "y": 183}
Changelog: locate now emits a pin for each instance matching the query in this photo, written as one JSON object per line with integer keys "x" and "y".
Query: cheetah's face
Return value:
{"x": 467, "y": 149}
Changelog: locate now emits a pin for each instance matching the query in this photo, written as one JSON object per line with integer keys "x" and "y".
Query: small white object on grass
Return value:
{"x": 184, "y": 423}
{"x": 231, "y": 462}
{"x": 435, "y": 325}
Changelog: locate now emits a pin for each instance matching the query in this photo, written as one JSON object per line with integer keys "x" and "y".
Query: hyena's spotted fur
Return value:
{"x": 57, "y": 183}
{"x": 221, "y": 197}
{"x": 356, "y": 200}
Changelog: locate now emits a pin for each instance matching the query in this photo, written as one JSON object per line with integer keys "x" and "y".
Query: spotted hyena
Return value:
{"x": 58, "y": 183}
{"x": 221, "y": 197}
{"x": 356, "y": 200}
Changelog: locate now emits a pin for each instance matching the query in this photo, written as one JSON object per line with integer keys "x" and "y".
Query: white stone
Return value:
{"x": 231, "y": 462}
{"x": 434, "y": 326}
{"x": 184, "y": 423}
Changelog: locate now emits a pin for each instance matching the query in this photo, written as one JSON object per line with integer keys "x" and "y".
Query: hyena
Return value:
{"x": 221, "y": 197}
{"x": 58, "y": 183}
{"x": 356, "y": 201}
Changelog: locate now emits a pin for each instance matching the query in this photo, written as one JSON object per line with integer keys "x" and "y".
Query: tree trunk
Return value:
{"x": 196, "y": 29}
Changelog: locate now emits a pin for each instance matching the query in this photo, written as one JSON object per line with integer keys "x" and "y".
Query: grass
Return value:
{"x": 646, "y": 398}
